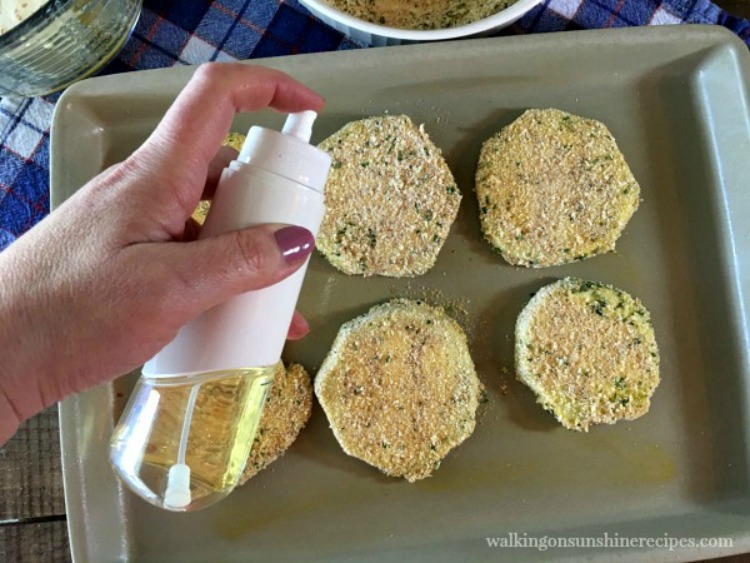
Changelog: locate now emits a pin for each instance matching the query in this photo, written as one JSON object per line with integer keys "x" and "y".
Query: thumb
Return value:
{"x": 210, "y": 271}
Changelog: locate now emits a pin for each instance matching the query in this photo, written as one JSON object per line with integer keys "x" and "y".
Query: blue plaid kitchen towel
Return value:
{"x": 172, "y": 32}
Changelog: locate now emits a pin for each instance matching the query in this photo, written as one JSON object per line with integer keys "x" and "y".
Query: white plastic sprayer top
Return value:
{"x": 300, "y": 125}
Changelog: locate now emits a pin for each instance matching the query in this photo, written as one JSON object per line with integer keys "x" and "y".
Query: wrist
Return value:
{"x": 9, "y": 419}
{"x": 16, "y": 383}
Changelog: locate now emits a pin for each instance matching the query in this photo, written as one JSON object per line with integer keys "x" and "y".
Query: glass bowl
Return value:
{"x": 62, "y": 42}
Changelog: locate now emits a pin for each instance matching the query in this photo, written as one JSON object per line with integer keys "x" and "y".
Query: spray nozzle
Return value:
{"x": 300, "y": 125}
{"x": 264, "y": 146}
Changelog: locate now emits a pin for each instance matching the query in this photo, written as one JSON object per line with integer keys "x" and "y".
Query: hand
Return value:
{"x": 103, "y": 283}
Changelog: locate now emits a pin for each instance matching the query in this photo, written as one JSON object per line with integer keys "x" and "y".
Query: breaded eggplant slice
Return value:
{"x": 390, "y": 199}
{"x": 399, "y": 388}
{"x": 553, "y": 188}
{"x": 589, "y": 353}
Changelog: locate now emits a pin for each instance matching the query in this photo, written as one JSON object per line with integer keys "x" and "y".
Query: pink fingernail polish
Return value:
{"x": 295, "y": 243}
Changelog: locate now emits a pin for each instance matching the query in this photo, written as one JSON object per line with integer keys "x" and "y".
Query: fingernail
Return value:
{"x": 295, "y": 243}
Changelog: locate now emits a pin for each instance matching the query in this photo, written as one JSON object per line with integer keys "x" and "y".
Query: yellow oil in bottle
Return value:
{"x": 206, "y": 422}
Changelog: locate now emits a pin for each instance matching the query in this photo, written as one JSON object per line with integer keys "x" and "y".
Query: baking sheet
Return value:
{"x": 676, "y": 100}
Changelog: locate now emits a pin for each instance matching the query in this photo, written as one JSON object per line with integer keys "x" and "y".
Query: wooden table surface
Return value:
{"x": 32, "y": 506}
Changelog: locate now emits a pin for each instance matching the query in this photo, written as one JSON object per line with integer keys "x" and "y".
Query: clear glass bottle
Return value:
{"x": 186, "y": 432}
{"x": 205, "y": 422}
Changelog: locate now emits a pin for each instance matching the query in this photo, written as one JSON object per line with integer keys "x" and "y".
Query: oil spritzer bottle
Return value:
{"x": 186, "y": 432}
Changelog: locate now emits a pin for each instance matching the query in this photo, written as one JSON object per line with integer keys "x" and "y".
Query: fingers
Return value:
{"x": 223, "y": 157}
{"x": 220, "y": 161}
{"x": 298, "y": 327}
{"x": 206, "y": 272}
{"x": 192, "y": 230}
{"x": 195, "y": 125}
